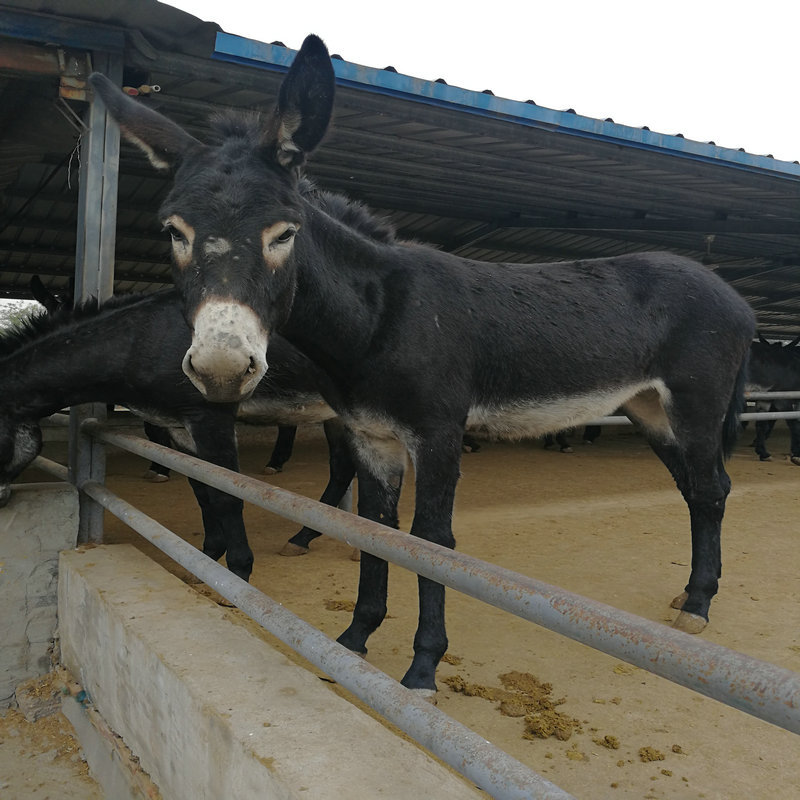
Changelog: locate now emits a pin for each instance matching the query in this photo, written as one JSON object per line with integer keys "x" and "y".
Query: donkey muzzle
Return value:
{"x": 227, "y": 357}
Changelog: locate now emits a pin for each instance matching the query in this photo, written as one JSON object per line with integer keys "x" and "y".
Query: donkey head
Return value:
{"x": 232, "y": 213}
{"x": 20, "y": 443}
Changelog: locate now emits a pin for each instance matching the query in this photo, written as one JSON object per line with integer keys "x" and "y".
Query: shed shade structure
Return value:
{"x": 471, "y": 173}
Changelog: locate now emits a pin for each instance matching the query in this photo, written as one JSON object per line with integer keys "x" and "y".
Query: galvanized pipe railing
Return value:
{"x": 757, "y": 416}
{"x": 481, "y": 762}
{"x": 745, "y": 416}
{"x": 772, "y": 396}
{"x": 53, "y": 467}
{"x": 757, "y": 687}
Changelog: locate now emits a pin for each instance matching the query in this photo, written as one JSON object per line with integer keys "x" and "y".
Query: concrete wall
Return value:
{"x": 40, "y": 520}
{"x": 213, "y": 712}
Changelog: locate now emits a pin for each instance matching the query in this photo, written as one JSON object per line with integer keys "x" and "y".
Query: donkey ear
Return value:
{"x": 304, "y": 105}
{"x": 161, "y": 140}
{"x": 43, "y": 295}
{"x": 39, "y": 291}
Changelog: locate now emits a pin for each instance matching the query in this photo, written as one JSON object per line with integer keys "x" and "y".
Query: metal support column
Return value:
{"x": 94, "y": 275}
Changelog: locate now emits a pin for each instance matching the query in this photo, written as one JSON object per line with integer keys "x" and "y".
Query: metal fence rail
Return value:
{"x": 746, "y": 416}
{"x": 759, "y": 688}
{"x": 772, "y": 396}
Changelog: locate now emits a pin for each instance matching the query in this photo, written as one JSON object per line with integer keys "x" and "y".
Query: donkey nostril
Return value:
{"x": 251, "y": 370}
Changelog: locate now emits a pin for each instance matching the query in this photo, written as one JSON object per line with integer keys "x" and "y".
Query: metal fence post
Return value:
{"x": 94, "y": 276}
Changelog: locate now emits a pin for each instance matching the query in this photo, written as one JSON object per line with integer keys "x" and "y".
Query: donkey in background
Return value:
{"x": 775, "y": 367}
{"x": 414, "y": 344}
{"x": 158, "y": 473}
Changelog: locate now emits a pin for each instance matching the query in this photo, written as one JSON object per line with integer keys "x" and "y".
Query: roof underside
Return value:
{"x": 482, "y": 177}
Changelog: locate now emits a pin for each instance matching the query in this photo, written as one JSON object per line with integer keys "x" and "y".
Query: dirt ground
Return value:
{"x": 606, "y": 522}
{"x": 42, "y": 760}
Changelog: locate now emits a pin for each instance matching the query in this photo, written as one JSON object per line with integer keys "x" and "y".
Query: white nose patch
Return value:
{"x": 214, "y": 246}
{"x": 227, "y": 358}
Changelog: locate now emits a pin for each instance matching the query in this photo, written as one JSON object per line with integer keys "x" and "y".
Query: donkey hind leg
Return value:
{"x": 794, "y": 430}
{"x": 692, "y": 451}
{"x": 380, "y": 478}
{"x": 156, "y": 472}
{"x": 436, "y": 463}
{"x": 342, "y": 470}
{"x": 763, "y": 430}
{"x": 282, "y": 451}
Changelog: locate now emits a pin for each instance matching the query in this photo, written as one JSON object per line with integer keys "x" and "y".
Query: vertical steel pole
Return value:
{"x": 94, "y": 276}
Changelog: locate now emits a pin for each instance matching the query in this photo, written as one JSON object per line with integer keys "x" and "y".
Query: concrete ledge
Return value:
{"x": 40, "y": 520}
{"x": 213, "y": 712}
{"x": 111, "y": 763}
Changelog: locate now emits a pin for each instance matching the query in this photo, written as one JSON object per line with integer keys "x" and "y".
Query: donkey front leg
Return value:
{"x": 377, "y": 500}
{"x": 436, "y": 463}
{"x": 223, "y": 528}
{"x": 214, "y": 439}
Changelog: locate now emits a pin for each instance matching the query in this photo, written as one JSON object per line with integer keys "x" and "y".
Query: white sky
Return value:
{"x": 721, "y": 70}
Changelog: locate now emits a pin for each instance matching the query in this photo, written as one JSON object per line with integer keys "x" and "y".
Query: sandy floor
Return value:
{"x": 42, "y": 760}
{"x": 605, "y": 522}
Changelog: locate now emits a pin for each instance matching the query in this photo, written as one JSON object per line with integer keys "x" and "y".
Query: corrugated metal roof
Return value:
{"x": 437, "y": 92}
{"x": 469, "y": 172}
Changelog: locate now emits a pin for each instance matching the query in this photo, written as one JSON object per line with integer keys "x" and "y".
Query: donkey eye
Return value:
{"x": 174, "y": 232}
{"x": 286, "y": 236}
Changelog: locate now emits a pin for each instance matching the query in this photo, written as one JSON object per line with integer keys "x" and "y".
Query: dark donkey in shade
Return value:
{"x": 415, "y": 344}
{"x": 284, "y": 443}
{"x": 129, "y": 352}
{"x": 775, "y": 367}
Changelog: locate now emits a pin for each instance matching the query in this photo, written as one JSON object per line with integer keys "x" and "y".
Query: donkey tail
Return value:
{"x": 731, "y": 426}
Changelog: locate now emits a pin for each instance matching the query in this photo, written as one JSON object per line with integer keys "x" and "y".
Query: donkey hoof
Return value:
{"x": 291, "y": 549}
{"x": 679, "y": 600}
{"x": 268, "y": 470}
{"x": 429, "y": 695}
{"x": 355, "y": 554}
{"x": 765, "y": 458}
{"x": 689, "y": 623}
{"x": 795, "y": 460}
{"x": 567, "y": 450}
{"x": 159, "y": 478}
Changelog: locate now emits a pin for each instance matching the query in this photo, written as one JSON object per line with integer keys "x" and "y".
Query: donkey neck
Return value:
{"x": 343, "y": 288}
{"x": 86, "y": 360}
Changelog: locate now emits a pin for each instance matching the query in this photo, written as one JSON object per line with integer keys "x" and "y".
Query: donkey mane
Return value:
{"x": 352, "y": 213}
{"x": 42, "y": 323}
